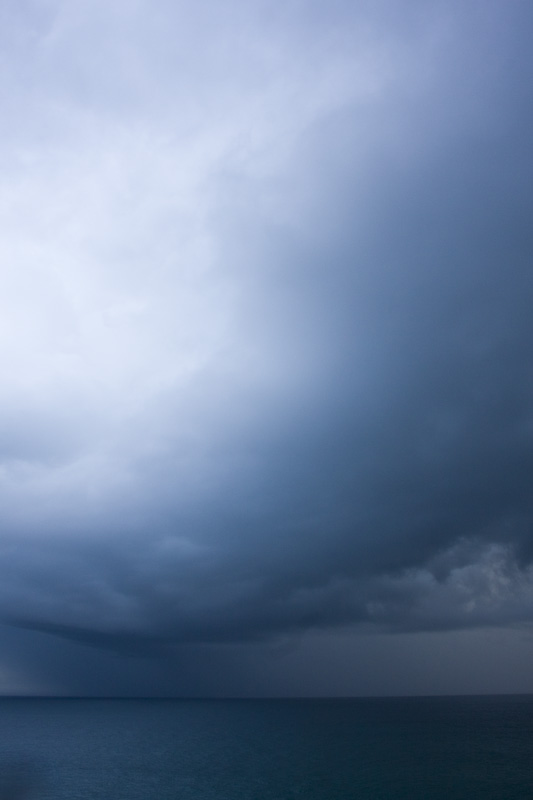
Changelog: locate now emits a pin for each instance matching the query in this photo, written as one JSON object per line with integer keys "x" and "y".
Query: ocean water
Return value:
{"x": 463, "y": 747}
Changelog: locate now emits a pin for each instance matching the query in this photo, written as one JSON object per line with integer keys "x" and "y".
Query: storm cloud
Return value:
{"x": 266, "y": 333}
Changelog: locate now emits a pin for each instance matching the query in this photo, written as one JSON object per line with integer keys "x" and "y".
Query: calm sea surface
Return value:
{"x": 477, "y": 747}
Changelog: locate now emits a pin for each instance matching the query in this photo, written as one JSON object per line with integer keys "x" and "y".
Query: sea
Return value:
{"x": 458, "y": 748}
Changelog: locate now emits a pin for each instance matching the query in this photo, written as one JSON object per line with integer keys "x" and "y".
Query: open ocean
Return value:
{"x": 453, "y": 748}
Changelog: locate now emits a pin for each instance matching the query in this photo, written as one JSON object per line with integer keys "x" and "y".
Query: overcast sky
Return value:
{"x": 266, "y": 346}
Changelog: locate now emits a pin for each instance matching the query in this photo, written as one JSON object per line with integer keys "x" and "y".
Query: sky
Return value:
{"x": 266, "y": 346}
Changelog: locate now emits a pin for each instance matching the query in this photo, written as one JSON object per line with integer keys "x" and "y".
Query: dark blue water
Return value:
{"x": 477, "y": 747}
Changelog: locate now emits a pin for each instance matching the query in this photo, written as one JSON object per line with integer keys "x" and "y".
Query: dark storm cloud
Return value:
{"x": 329, "y": 420}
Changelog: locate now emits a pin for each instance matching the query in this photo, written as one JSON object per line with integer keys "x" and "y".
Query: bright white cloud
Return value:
{"x": 134, "y": 130}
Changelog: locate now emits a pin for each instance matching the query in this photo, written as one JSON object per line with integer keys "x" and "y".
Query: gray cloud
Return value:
{"x": 266, "y": 330}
